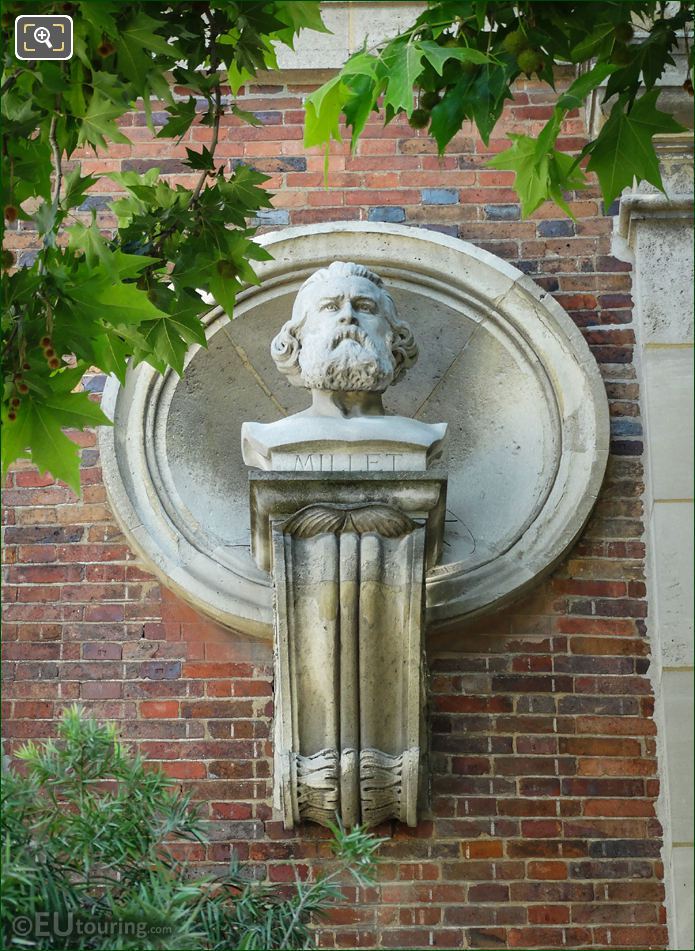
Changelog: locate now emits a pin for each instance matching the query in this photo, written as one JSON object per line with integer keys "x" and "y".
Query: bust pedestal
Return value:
{"x": 348, "y": 554}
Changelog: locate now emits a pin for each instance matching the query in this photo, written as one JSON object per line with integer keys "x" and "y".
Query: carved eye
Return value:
{"x": 330, "y": 305}
{"x": 365, "y": 305}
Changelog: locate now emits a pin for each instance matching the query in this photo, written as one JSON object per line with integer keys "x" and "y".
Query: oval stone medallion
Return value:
{"x": 500, "y": 362}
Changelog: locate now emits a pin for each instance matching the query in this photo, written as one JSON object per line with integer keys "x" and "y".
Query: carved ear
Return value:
{"x": 285, "y": 352}
{"x": 404, "y": 350}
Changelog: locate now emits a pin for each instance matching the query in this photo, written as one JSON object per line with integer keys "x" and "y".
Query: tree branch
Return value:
{"x": 11, "y": 80}
{"x": 57, "y": 160}
{"x": 213, "y": 142}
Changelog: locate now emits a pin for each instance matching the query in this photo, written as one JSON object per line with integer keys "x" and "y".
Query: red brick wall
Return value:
{"x": 543, "y": 831}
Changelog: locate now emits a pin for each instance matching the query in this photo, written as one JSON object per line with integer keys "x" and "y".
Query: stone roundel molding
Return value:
{"x": 501, "y": 362}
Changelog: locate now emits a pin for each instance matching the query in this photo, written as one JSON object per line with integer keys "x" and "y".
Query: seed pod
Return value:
{"x": 45, "y": 341}
{"x": 530, "y": 61}
{"x": 10, "y": 213}
{"x": 11, "y": 416}
{"x": 428, "y": 100}
{"x": 515, "y": 42}
{"x": 15, "y": 401}
{"x": 26, "y": 366}
{"x": 419, "y": 119}
{"x": 49, "y": 352}
{"x": 54, "y": 363}
{"x": 624, "y": 32}
{"x": 22, "y": 388}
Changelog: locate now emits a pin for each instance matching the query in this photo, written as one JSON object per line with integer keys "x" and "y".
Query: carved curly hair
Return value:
{"x": 286, "y": 346}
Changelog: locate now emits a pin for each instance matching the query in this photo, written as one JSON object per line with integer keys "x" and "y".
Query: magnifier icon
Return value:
{"x": 42, "y": 35}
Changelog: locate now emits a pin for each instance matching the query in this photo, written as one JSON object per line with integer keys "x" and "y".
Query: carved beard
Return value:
{"x": 350, "y": 361}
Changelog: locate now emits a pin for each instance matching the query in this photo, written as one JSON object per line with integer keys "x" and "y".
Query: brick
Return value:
{"x": 159, "y": 709}
{"x": 510, "y": 212}
{"x": 560, "y": 228}
{"x": 439, "y": 196}
{"x": 386, "y": 213}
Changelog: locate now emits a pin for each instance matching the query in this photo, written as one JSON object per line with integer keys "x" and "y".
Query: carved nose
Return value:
{"x": 347, "y": 316}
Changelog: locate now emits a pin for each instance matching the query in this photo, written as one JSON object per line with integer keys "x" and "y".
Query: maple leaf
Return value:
{"x": 624, "y": 149}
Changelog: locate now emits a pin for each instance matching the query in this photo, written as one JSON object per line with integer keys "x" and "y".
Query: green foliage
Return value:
{"x": 86, "y": 836}
{"x": 103, "y": 300}
{"x": 458, "y": 62}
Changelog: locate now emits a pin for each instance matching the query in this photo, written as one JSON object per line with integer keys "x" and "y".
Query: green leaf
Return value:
{"x": 98, "y": 125}
{"x": 99, "y": 15}
{"x": 237, "y": 76}
{"x": 450, "y": 112}
{"x": 531, "y": 182}
{"x": 363, "y": 101}
{"x": 111, "y": 354}
{"x": 169, "y": 337}
{"x": 245, "y": 116}
{"x": 323, "y": 108}
{"x": 51, "y": 450}
{"x": 113, "y": 303}
{"x": 200, "y": 160}
{"x": 590, "y": 45}
{"x": 403, "y": 66}
{"x": 541, "y": 174}
{"x": 242, "y": 189}
{"x": 224, "y": 290}
{"x": 181, "y": 118}
{"x": 300, "y": 15}
{"x": 76, "y": 410}
{"x": 489, "y": 91}
{"x": 37, "y": 434}
{"x": 141, "y": 30}
{"x": 96, "y": 251}
{"x": 624, "y": 150}
{"x": 438, "y": 55}
{"x": 574, "y": 97}
{"x": 76, "y": 187}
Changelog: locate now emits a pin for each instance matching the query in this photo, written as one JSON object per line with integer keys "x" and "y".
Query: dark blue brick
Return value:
{"x": 273, "y": 216}
{"x": 389, "y": 213}
{"x": 158, "y": 118}
{"x": 439, "y": 196}
{"x": 627, "y": 447}
{"x": 612, "y": 209}
{"x": 562, "y": 228}
{"x": 502, "y": 212}
{"x": 290, "y": 164}
{"x": 26, "y": 258}
{"x": 95, "y": 201}
{"x": 626, "y": 426}
{"x": 528, "y": 267}
{"x": 269, "y": 118}
{"x": 94, "y": 384}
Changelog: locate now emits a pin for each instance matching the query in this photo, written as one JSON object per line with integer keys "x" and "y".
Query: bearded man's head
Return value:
{"x": 344, "y": 333}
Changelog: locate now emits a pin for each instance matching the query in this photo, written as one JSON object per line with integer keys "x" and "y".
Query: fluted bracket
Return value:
{"x": 349, "y": 608}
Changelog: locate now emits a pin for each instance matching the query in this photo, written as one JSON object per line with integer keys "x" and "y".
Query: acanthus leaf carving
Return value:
{"x": 382, "y": 520}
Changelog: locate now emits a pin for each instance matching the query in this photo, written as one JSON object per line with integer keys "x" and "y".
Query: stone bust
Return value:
{"x": 346, "y": 344}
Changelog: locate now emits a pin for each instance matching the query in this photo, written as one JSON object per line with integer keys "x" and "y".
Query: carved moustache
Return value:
{"x": 349, "y": 333}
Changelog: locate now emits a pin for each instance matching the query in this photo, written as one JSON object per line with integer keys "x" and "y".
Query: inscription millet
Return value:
{"x": 346, "y": 462}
